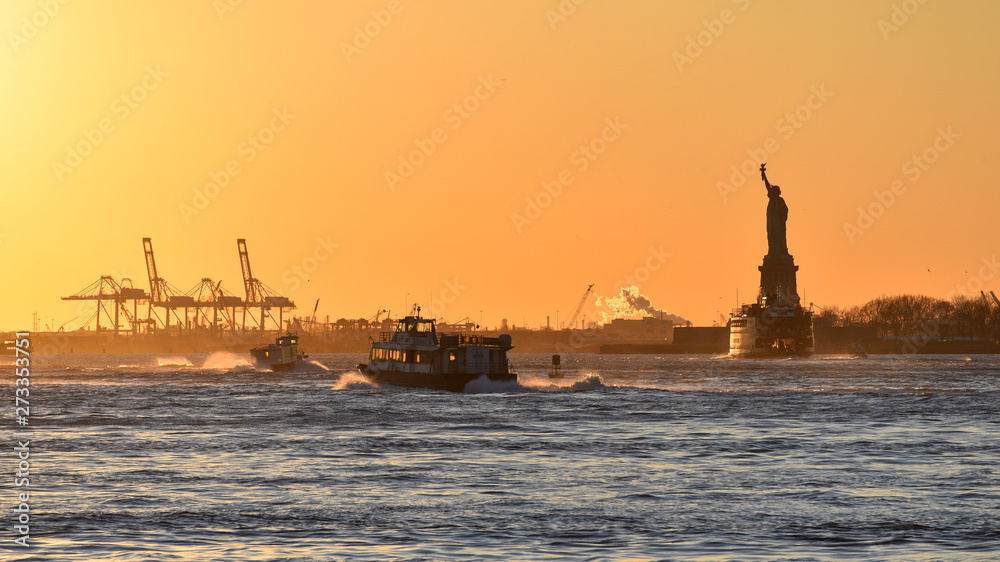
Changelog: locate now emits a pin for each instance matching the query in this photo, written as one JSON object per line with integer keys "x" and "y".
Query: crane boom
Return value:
{"x": 157, "y": 290}
{"x": 579, "y": 307}
{"x": 248, "y": 284}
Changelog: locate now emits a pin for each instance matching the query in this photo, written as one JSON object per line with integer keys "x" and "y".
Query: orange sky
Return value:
{"x": 117, "y": 115}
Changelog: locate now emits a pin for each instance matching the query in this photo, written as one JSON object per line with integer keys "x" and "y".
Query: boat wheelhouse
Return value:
{"x": 415, "y": 355}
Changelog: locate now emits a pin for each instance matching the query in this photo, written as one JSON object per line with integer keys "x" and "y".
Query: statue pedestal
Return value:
{"x": 777, "y": 276}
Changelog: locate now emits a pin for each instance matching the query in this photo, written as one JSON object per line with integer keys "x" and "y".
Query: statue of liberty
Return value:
{"x": 777, "y": 214}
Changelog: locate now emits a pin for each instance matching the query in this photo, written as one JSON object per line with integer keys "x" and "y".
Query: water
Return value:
{"x": 140, "y": 457}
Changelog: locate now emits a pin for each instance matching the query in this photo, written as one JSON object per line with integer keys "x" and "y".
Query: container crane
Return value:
{"x": 108, "y": 292}
{"x": 209, "y": 294}
{"x": 258, "y": 294}
{"x": 163, "y": 294}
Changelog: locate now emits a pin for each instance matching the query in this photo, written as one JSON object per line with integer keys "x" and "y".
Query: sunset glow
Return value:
{"x": 491, "y": 160}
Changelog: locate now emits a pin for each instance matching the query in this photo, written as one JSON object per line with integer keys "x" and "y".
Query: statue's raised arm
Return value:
{"x": 763, "y": 176}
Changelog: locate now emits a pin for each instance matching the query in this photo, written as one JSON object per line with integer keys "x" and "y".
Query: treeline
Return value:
{"x": 918, "y": 316}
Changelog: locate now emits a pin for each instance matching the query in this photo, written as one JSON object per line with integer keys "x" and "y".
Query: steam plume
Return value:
{"x": 630, "y": 303}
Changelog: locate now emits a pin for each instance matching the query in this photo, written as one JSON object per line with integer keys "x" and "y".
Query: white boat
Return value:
{"x": 766, "y": 329}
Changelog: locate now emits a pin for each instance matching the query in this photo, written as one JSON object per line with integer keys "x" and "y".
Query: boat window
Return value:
{"x": 451, "y": 356}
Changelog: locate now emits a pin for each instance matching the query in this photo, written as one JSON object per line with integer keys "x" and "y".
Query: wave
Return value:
{"x": 353, "y": 380}
{"x": 483, "y": 385}
{"x": 225, "y": 360}
{"x": 173, "y": 362}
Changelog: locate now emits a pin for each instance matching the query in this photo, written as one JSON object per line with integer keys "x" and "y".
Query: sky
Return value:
{"x": 492, "y": 159}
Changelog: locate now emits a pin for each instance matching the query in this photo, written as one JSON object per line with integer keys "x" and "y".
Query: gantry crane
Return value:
{"x": 579, "y": 307}
{"x": 209, "y": 294}
{"x": 163, "y": 294}
{"x": 258, "y": 294}
{"x": 108, "y": 291}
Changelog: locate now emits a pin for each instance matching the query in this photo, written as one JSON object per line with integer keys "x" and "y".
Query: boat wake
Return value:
{"x": 173, "y": 362}
{"x": 225, "y": 360}
{"x": 353, "y": 380}
{"x": 483, "y": 385}
{"x": 588, "y": 381}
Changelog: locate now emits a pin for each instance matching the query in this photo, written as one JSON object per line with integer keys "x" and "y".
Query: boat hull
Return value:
{"x": 277, "y": 366}
{"x": 453, "y": 382}
{"x": 769, "y": 354}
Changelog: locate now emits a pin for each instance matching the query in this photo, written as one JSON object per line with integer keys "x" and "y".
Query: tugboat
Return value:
{"x": 415, "y": 355}
{"x": 282, "y": 355}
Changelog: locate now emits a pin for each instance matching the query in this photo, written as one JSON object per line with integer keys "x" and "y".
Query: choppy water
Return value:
{"x": 138, "y": 457}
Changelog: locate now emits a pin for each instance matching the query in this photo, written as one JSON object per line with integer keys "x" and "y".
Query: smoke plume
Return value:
{"x": 630, "y": 303}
